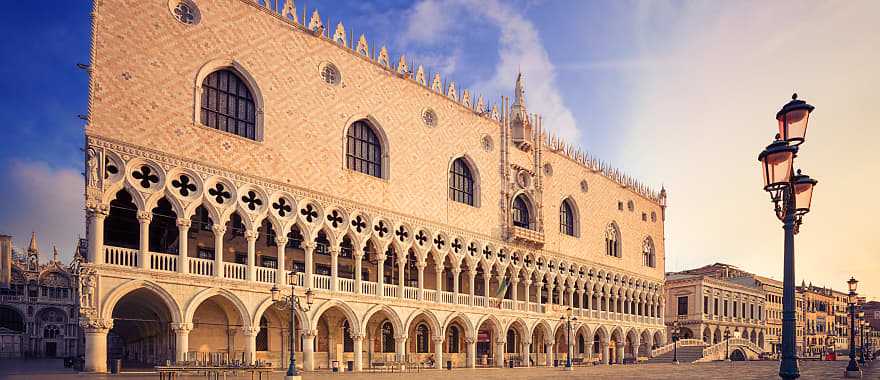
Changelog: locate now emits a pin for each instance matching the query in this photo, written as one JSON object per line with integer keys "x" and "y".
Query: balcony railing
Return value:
{"x": 163, "y": 262}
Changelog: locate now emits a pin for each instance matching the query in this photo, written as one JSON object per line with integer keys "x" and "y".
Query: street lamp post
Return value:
{"x": 567, "y": 317}
{"x": 791, "y": 195}
{"x": 852, "y": 369}
{"x": 675, "y": 331}
{"x": 293, "y": 303}
{"x": 727, "y": 345}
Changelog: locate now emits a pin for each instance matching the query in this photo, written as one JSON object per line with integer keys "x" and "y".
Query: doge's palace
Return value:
{"x": 234, "y": 146}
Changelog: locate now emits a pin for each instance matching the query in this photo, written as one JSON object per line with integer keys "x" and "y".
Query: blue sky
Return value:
{"x": 673, "y": 92}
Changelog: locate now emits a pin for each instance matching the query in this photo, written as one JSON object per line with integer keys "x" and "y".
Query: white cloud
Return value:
{"x": 432, "y": 22}
{"x": 49, "y": 201}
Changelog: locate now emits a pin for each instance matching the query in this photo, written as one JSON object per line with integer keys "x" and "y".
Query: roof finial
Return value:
{"x": 54, "y": 254}
{"x": 32, "y": 247}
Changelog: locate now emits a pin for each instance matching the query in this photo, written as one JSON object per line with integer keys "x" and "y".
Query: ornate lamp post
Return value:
{"x": 727, "y": 345}
{"x": 567, "y": 317}
{"x": 676, "y": 329}
{"x": 852, "y": 369}
{"x": 293, "y": 303}
{"x": 791, "y": 195}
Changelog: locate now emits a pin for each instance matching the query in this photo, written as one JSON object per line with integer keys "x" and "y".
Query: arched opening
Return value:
{"x": 462, "y": 187}
{"x": 227, "y": 104}
{"x": 645, "y": 344}
{"x": 648, "y": 256}
{"x": 334, "y": 341}
{"x": 658, "y": 340}
{"x": 364, "y": 152}
{"x": 567, "y": 218}
{"x": 456, "y": 349}
{"x": 521, "y": 212}
{"x": 382, "y": 329}
{"x": 12, "y": 329}
{"x": 612, "y": 241}
{"x": 707, "y": 336}
{"x": 600, "y": 346}
{"x": 486, "y": 336}
{"x": 141, "y": 335}
{"x": 512, "y": 346}
{"x": 737, "y": 355}
{"x": 121, "y": 227}
{"x": 539, "y": 355}
{"x": 217, "y": 331}
{"x": 201, "y": 237}
{"x": 273, "y": 339}
{"x": 163, "y": 229}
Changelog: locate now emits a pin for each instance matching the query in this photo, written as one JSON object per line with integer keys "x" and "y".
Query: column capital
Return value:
{"x": 307, "y": 246}
{"x": 251, "y": 234}
{"x": 381, "y": 257}
{"x": 357, "y": 251}
{"x": 309, "y": 334}
{"x": 184, "y": 328}
{"x": 218, "y": 229}
{"x": 470, "y": 340}
{"x": 250, "y": 330}
{"x": 144, "y": 216}
{"x": 437, "y": 339}
{"x": 456, "y": 271}
{"x": 281, "y": 240}
{"x": 93, "y": 324}
{"x": 98, "y": 210}
{"x": 400, "y": 338}
{"x": 183, "y": 222}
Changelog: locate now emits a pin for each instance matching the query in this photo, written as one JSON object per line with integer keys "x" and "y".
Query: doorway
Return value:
{"x": 51, "y": 349}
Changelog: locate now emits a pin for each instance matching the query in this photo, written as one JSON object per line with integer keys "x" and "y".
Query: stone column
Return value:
{"x": 499, "y": 353}
{"x": 358, "y": 352}
{"x": 400, "y": 345}
{"x": 472, "y": 274}
{"x": 281, "y": 271}
{"x": 218, "y": 230}
{"x": 357, "y": 255}
{"x": 309, "y": 249}
{"x": 96, "y": 218}
{"x": 571, "y": 297}
{"x": 538, "y": 288}
{"x": 456, "y": 272}
{"x": 471, "y": 350}
{"x": 548, "y": 353}
{"x": 550, "y": 287}
{"x": 95, "y": 331}
{"x": 528, "y": 290}
{"x": 401, "y": 265}
{"x": 334, "y": 268}
{"x": 438, "y": 352}
{"x": 251, "y": 237}
{"x": 421, "y": 279}
{"x": 514, "y": 283}
{"x": 144, "y": 218}
{"x": 581, "y": 302}
{"x": 250, "y": 346}
{"x": 308, "y": 348}
{"x": 380, "y": 280}
{"x": 181, "y": 332}
{"x": 183, "y": 245}
{"x": 438, "y": 278}
{"x": 487, "y": 277}
{"x": 606, "y": 351}
{"x": 589, "y": 301}
{"x": 527, "y": 353}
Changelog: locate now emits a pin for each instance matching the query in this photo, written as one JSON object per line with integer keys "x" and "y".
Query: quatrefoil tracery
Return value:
{"x": 439, "y": 243}
{"x": 184, "y": 185}
{"x": 309, "y": 213}
{"x": 421, "y": 238}
{"x": 381, "y": 229}
{"x": 359, "y": 224}
{"x": 334, "y": 218}
{"x": 145, "y": 176}
{"x": 456, "y": 245}
{"x": 283, "y": 208}
{"x": 251, "y": 200}
{"x": 219, "y": 193}
{"x": 402, "y": 233}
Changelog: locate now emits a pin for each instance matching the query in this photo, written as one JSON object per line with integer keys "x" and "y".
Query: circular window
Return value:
{"x": 184, "y": 11}
{"x": 585, "y": 186}
{"x": 487, "y": 143}
{"x": 330, "y": 74}
{"x": 429, "y": 118}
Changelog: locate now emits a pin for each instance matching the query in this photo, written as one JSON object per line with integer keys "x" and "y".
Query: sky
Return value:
{"x": 680, "y": 94}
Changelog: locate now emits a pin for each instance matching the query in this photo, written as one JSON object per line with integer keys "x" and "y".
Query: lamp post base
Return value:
{"x": 289, "y": 377}
{"x": 675, "y": 362}
{"x": 857, "y": 374}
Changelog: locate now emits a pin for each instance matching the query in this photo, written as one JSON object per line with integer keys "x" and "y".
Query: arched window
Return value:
{"x": 227, "y": 104}
{"x": 263, "y": 335}
{"x": 363, "y": 151}
{"x": 347, "y": 341}
{"x": 422, "y": 338}
{"x": 521, "y": 212}
{"x": 461, "y": 182}
{"x": 612, "y": 241}
{"x": 581, "y": 344}
{"x": 566, "y": 218}
{"x": 50, "y": 332}
{"x": 452, "y": 340}
{"x": 387, "y": 337}
{"x": 648, "y": 253}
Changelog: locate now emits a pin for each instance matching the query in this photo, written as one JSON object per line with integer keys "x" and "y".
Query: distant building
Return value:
{"x": 38, "y": 304}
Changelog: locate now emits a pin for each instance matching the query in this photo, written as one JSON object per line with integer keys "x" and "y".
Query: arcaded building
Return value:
{"x": 230, "y": 143}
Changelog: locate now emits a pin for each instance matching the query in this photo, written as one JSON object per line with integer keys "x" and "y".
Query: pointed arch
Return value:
{"x": 202, "y": 296}
{"x": 569, "y": 217}
{"x": 120, "y": 291}
{"x": 354, "y": 322}
{"x": 432, "y": 320}
{"x": 464, "y": 180}
{"x": 522, "y": 211}
{"x": 392, "y": 315}
{"x": 613, "y": 246}
{"x": 464, "y": 321}
{"x": 365, "y": 147}
{"x": 649, "y": 258}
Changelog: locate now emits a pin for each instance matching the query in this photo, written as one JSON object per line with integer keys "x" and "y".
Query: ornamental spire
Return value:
{"x": 32, "y": 247}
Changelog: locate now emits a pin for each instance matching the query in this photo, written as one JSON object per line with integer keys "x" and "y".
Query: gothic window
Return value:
{"x": 387, "y": 337}
{"x": 649, "y": 257}
{"x": 330, "y": 75}
{"x": 422, "y": 338}
{"x": 521, "y": 216}
{"x": 612, "y": 241}
{"x": 461, "y": 182}
{"x": 263, "y": 335}
{"x": 453, "y": 339}
{"x": 363, "y": 152}
{"x": 581, "y": 344}
{"x": 566, "y": 218}
{"x": 50, "y": 332}
{"x": 121, "y": 227}
{"x": 227, "y": 104}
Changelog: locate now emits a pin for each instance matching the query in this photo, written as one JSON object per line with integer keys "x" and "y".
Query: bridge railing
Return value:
{"x": 681, "y": 343}
{"x": 719, "y": 351}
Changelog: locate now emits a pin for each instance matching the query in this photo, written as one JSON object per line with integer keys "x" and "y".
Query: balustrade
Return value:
{"x": 430, "y": 295}
{"x": 321, "y": 281}
{"x": 235, "y": 271}
{"x": 410, "y": 293}
{"x": 201, "y": 267}
{"x": 345, "y": 285}
{"x": 389, "y": 290}
{"x": 126, "y": 257}
{"x": 368, "y": 287}
{"x": 480, "y": 301}
{"x": 266, "y": 275}
{"x": 163, "y": 262}
{"x": 447, "y": 297}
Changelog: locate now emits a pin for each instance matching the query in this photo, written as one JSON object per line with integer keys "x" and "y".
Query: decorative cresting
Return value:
{"x": 221, "y": 194}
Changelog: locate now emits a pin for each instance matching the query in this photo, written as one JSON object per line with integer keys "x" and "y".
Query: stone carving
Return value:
{"x": 451, "y": 93}
{"x": 466, "y": 98}
{"x": 289, "y": 11}
{"x": 402, "y": 67}
{"x": 383, "y": 57}
{"x": 315, "y": 24}
{"x": 420, "y": 76}
{"x": 436, "y": 84}
{"x": 362, "y": 47}
{"x": 87, "y": 280}
{"x": 339, "y": 35}
{"x": 92, "y": 163}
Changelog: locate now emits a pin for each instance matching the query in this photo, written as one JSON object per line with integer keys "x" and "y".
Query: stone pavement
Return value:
{"x": 53, "y": 370}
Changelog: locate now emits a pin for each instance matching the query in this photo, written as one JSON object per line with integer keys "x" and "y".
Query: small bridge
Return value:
{"x": 696, "y": 351}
